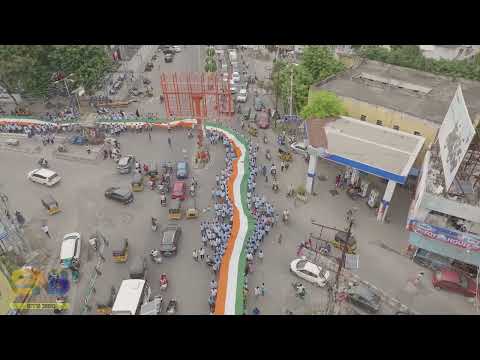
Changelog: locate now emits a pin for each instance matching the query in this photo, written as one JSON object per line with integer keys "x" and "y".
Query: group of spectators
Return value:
{"x": 69, "y": 115}
{"x": 30, "y": 130}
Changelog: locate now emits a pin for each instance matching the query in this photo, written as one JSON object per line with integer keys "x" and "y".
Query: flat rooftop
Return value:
{"x": 373, "y": 149}
{"x": 413, "y": 92}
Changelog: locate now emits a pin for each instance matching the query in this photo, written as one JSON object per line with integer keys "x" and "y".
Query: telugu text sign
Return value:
{"x": 463, "y": 240}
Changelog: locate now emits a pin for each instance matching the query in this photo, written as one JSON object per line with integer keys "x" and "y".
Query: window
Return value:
{"x": 363, "y": 117}
{"x": 396, "y": 127}
{"x": 416, "y": 133}
{"x": 379, "y": 122}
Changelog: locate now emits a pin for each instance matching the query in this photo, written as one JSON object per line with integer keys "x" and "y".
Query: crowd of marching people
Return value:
{"x": 216, "y": 233}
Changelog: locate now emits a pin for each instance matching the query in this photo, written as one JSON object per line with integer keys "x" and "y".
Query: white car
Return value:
{"x": 177, "y": 48}
{"x": 44, "y": 177}
{"x": 242, "y": 96}
{"x": 310, "y": 272}
{"x": 299, "y": 148}
{"x": 233, "y": 90}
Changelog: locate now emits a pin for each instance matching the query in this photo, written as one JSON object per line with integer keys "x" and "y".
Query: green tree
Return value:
{"x": 323, "y": 104}
{"x": 210, "y": 64}
{"x": 28, "y": 70}
{"x": 210, "y": 52}
{"x": 320, "y": 62}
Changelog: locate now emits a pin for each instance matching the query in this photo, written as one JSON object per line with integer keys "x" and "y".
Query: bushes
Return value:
{"x": 411, "y": 56}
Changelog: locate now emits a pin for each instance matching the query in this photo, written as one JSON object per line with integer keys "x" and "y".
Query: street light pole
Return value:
{"x": 291, "y": 92}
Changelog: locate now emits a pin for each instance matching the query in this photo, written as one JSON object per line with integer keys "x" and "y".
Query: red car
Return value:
{"x": 454, "y": 281}
{"x": 263, "y": 120}
{"x": 179, "y": 190}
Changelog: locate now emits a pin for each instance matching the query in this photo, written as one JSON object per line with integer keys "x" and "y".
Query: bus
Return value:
{"x": 133, "y": 293}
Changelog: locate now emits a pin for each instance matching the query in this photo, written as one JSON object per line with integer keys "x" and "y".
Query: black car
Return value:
{"x": 169, "y": 50}
{"x": 364, "y": 298}
{"x": 171, "y": 235}
{"x": 123, "y": 195}
{"x": 168, "y": 58}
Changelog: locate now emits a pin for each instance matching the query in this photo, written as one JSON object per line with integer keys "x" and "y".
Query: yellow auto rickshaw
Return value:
{"x": 192, "y": 212}
{"x": 120, "y": 251}
{"x": 252, "y": 131}
{"x": 50, "y": 204}
{"x": 105, "y": 298}
{"x": 284, "y": 153}
{"x": 137, "y": 182}
{"x": 175, "y": 211}
{"x": 341, "y": 238}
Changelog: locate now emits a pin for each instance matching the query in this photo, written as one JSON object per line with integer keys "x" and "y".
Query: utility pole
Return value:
{"x": 291, "y": 93}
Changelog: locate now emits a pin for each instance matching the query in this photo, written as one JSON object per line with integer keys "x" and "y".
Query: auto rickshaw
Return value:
{"x": 192, "y": 212}
{"x": 50, "y": 204}
{"x": 120, "y": 252}
{"x": 137, "y": 182}
{"x": 284, "y": 153}
{"x": 252, "y": 131}
{"x": 341, "y": 238}
{"x": 104, "y": 300}
{"x": 175, "y": 211}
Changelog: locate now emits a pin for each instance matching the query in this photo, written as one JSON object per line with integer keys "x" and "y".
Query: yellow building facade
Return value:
{"x": 394, "y": 120}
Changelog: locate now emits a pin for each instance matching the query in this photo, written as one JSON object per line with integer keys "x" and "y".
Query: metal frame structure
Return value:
{"x": 200, "y": 96}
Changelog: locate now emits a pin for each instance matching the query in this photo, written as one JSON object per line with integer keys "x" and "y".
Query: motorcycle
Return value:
{"x": 265, "y": 139}
{"x": 163, "y": 282}
{"x": 275, "y": 186}
{"x": 268, "y": 155}
{"x": 285, "y": 217}
{"x": 43, "y": 163}
{"x": 163, "y": 200}
{"x": 299, "y": 290}
{"x": 192, "y": 190}
{"x": 156, "y": 257}
{"x": 154, "y": 224}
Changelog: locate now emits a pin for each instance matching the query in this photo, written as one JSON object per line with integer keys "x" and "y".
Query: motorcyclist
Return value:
{"x": 286, "y": 214}
{"x": 290, "y": 190}
{"x": 156, "y": 256}
{"x": 154, "y": 224}
{"x": 300, "y": 290}
{"x": 273, "y": 169}
{"x": 163, "y": 279}
{"x": 268, "y": 155}
{"x": 192, "y": 189}
{"x": 163, "y": 198}
{"x": 265, "y": 140}
{"x": 275, "y": 185}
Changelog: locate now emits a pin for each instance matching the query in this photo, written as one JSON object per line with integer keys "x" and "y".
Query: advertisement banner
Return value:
{"x": 462, "y": 240}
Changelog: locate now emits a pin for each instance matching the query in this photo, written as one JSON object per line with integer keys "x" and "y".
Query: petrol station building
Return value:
{"x": 363, "y": 148}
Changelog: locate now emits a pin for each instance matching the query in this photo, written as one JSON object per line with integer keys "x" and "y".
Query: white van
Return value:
{"x": 133, "y": 293}
{"x": 70, "y": 250}
{"x": 44, "y": 176}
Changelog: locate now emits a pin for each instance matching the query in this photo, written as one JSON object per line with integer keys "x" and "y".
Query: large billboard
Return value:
{"x": 455, "y": 136}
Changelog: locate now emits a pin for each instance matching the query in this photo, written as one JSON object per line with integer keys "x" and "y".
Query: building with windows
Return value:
{"x": 400, "y": 98}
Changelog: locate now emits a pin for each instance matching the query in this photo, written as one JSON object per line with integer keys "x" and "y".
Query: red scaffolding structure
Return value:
{"x": 200, "y": 96}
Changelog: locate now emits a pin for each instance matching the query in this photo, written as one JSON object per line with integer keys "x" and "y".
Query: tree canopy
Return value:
{"x": 28, "y": 70}
{"x": 318, "y": 63}
{"x": 323, "y": 104}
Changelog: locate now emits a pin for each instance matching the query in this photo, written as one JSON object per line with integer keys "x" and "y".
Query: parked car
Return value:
{"x": 169, "y": 243}
{"x": 299, "y": 148}
{"x": 242, "y": 96}
{"x": 12, "y": 142}
{"x": 120, "y": 194}
{"x": 177, "y": 48}
{"x": 310, "y": 272}
{"x": 364, "y": 298}
{"x": 454, "y": 281}
{"x": 125, "y": 164}
{"x": 182, "y": 169}
{"x": 259, "y": 104}
{"x": 179, "y": 190}
{"x": 233, "y": 90}
{"x": 168, "y": 58}
{"x": 263, "y": 120}
{"x": 44, "y": 176}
